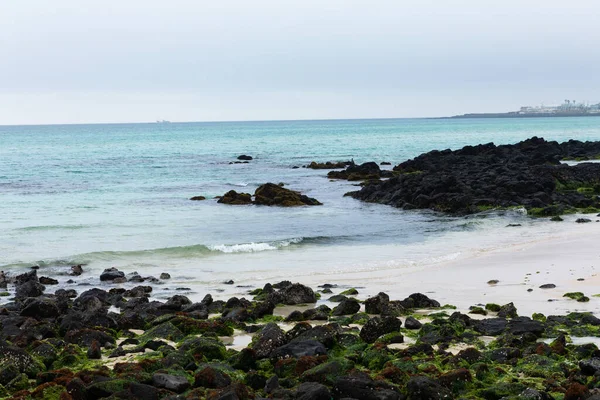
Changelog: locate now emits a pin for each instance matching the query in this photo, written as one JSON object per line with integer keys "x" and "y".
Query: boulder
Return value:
{"x": 424, "y": 388}
{"x": 491, "y": 326}
{"x": 297, "y": 294}
{"x": 523, "y": 325}
{"x": 244, "y": 157}
{"x": 234, "y": 198}
{"x": 377, "y": 326}
{"x": 346, "y": 307}
{"x": 23, "y": 362}
{"x": 590, "y": 367}
{"x": 312, "y": 391}
{"x": 110, "y": 274}
{"x": 412, "y": 323}
{"x": 85, "y": 337}
{"x": 271, "y": 194}
{"x": 44, "y": 280}
{"x": 326, "y": 334}
{"x": 212, "y": 378}
{"x": 174, "y": 383}
{"x": 76, "y": 270}
{"x": 41, "y": 308}
{"x": 299, "y": 349}
{"x": 374, "y": 305}
{"x": 508, "y": 311}
{"x": 31, "y": 288}
{"x": 361, "y": 386}
{"x": 268, "y": 339}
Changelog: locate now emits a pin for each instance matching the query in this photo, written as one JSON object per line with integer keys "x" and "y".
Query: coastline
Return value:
{"x": 291, "y": 340}
{"x": 560, "y": 259}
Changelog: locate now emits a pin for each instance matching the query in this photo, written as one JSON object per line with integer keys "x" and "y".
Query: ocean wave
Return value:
{"x": 255, "y": 247}
{"x": 181, "y": 252}
{"x": 51, "y": 227}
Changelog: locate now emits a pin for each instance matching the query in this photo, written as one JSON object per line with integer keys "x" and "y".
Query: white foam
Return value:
{"x": 254, "y": 247}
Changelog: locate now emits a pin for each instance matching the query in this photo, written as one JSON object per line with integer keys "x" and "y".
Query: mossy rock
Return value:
{"x": 538, "y": 366}
{"x": 406, "y": 366}
{"x": 51, "y": 392}
{"x": 107, "y": 388}
{"x": 166, "y": 330}
{"x": 538, "y": 317}
{"x": 266, "y": 319}
{"x": 579, "y": 296}
{"x": 20, "y": 359}
{"x": 328, "y": 372}
{"x": 492, "y": 307}
{"x": 500, "y": 390}
{"x": 374, "y": 358}
{"x": 349, "y": 292}
{"x": 70, "y": 356}
{"x": 477, "y": 310}
{"x": 20, "y": 382}
{"x": 448, "y": 307}
{"x": 204, "y": 348}
{"x": 161, "y": 319}
{"x": 4, "y": 294}
{"x": 46, "y": 353}
{"x": 191, "y": 326}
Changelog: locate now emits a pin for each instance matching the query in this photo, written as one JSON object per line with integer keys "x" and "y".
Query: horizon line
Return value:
{"x": 166, "y": 122}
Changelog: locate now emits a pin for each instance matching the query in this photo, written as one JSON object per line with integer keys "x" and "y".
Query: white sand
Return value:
{"x": 572, "y": 252}
{"x": 560, "y": 260}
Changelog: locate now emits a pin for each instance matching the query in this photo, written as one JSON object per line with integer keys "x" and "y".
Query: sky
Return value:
{"x": 89, "y": 61}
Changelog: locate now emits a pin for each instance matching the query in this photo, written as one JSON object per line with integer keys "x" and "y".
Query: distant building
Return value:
{"x": 568, "y": 107}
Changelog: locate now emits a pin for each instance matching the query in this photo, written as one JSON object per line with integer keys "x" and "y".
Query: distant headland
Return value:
{"x": 570, "y": 108}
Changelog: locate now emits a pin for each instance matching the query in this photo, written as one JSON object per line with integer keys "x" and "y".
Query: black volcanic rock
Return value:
{"x": 465, "y": 181}
{"x": 271, "y": 194}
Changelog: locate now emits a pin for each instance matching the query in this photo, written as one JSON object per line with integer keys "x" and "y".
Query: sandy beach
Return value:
{"x": 562, "y": 260}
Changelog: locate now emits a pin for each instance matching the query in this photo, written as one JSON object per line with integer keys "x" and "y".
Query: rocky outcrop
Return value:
{"x": 365, "y": 171}
{"x": 473, "y": 178}
{"x": 64, "y": 344}
{"x": 329, "y": 165}
{"x": 269, "y": 194}
{"x": 234, "y": 198}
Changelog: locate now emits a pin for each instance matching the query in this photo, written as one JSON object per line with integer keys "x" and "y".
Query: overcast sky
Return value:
{"x": 76, "y": 61}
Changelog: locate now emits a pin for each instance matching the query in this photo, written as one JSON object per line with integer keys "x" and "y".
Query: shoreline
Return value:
{"x": 292, "y": 341}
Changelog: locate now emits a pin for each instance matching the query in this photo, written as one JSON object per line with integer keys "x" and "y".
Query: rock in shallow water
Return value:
{"x": 110, "y": 274}
{"x": 473, "y": 178}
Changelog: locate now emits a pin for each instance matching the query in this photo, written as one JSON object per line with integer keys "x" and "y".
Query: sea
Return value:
{"x": 118, "y": 195}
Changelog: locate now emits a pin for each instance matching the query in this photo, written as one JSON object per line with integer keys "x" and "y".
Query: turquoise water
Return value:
{"x": 118, "y": 195}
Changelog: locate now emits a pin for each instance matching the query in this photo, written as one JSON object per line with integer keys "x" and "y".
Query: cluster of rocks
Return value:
{"x": 74, "y": 346}
{"x": 269, "y": 194}
{"x": 329, "y": 165}
{"x": 361, "y": 172}
{"x": 464, "y": 181}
